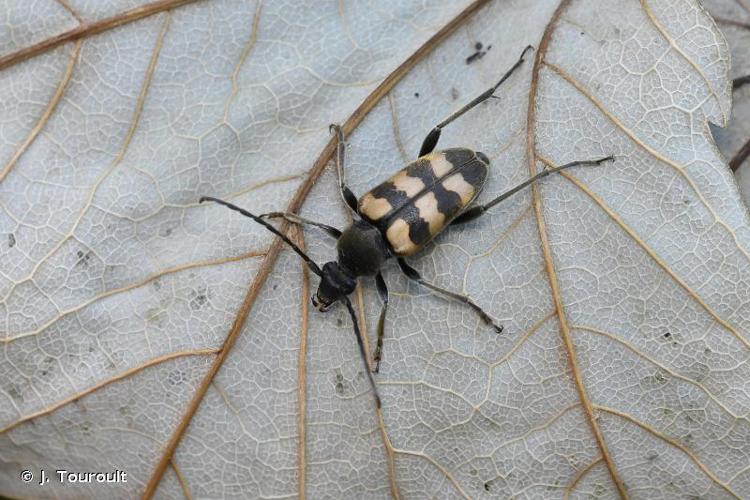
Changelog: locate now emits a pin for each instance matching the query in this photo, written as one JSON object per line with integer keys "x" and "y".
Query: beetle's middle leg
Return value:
{"x": 346, "y": 193}
{"x": 414, "y": 275}
{"x": 383, "y": 292}
{"x": 432, "y": 138}
{"x": 296, "y": 219}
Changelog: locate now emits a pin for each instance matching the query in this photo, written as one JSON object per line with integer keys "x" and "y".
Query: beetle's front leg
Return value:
{"x": 414, "y": 275}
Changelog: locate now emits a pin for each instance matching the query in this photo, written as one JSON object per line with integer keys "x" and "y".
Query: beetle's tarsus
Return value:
{"x": 489, "y": 321}
{"x": 334, "y": 128}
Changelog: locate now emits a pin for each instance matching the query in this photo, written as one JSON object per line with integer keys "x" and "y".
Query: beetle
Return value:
{"x": 398, "y": 217}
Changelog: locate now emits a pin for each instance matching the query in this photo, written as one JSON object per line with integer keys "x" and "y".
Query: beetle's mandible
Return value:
{"x": 398, "y": 217}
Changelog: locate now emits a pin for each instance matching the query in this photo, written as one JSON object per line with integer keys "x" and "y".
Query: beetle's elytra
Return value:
{"x": 418, "y": 202}
{"x": 398, "y": 217}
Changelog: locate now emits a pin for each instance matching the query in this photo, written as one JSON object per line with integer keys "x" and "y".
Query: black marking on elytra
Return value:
{"x": 475, "y": 173}
{"x": 395, "y": 197}
{"x": 448, "y": 202}
{"x": 459, "y": 157}
{"x": 419, "y": 229}
{"x": 422, "y": 169}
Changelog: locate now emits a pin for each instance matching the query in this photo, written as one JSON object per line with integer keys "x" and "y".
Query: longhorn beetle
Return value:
{"x": 398, "y": 217}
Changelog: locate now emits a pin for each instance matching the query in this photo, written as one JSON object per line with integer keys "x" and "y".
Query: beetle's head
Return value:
{"x": 334, "y": 285}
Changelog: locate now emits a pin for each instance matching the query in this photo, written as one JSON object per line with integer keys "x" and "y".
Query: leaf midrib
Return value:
{"x": 547, "y": 251}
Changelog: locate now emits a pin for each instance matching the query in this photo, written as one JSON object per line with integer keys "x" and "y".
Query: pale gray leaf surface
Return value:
{"x": 733, "y": 18}
{"x": 623, "y": 288}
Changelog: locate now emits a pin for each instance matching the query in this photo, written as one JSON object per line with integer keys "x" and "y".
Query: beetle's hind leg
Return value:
{"x": 296, "y": 219}
{"x": 432, "y": 138}
{"x": 346, "y": 193}
{"x": 477, "y": 210}
{"x": 412, "y": 274}
{"x": 383, "y": 292}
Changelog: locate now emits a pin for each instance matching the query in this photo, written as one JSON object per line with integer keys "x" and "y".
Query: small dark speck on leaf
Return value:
{"x": 339, "y": 321}
{"x": 83, "y": 258}
{"x": 416, "y": 94}
{"x": 582, "y": 33}
{"x": 340, "y": 388}
{"x": 14, "y": 393}
{"x": 487, "y": 486}
{"x": 11, "y": 240}
{"x": 475, "y": 56}
{"x": 176, "y": 377}
{"x": 275, "y": 286}
{"x": 667, "y": 335}
{"x": 198, "y": 299}
{"x": 454, "y": 93}
{"x": 339, "y": 377}
{"x": 478, "y": 54}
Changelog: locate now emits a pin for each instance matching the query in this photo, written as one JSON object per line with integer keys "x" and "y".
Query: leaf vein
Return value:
{"x": 655, "y": 257}
{"x": 620, "y": 125}
{"x": 547, "y": 252}
{"x": 103, "y": 383}
{"x": 672, "y": 442}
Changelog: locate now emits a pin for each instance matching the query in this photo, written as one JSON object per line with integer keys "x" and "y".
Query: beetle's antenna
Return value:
{"x": 361, "y": 344}
{"x": 310, "y": 263}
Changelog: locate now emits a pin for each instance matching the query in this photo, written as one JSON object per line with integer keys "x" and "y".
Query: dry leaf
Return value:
{"x": 733, "y": 18}
{"x": 146, "y": 333}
